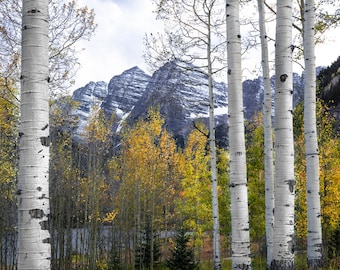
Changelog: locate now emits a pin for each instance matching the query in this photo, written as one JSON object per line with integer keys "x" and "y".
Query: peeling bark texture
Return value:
{"x": 283, "y": 248}
{"x": 314, "y": 239}
{"x": 240, "y": 242}
{"x": 34, "y": 251}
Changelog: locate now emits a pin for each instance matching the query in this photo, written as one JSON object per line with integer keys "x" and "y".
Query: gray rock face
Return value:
{"x": 182, "y": 94}
{"x": 87, "y": 98}
{"x": 125, "y": 90}
{"x": 179, "y": 89}
{"x": 253, "y": 94}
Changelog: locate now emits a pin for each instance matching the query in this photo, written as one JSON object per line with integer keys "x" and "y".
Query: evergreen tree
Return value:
{"x": 182, "y": 256}
{"x": 148, "y": 250}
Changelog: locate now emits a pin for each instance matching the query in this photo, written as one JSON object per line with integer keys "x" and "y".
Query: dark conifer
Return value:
{"x": 182, "y": 256}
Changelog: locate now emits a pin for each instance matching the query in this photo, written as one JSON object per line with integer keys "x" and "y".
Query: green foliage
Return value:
{"x": 147, "y": 252}
{"x": 182, "y": 255}
{"x": 256, "y": 179}
{"x": 223, "y": 192}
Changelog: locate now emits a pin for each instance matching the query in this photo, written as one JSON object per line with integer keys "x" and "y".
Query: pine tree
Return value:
{"x": 182, "y": 256}
{"x": 148, "y": 250}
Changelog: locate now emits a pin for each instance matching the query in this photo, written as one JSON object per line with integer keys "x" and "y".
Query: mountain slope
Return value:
{"x": 182, "y": 94}
{"x": 180, "y": 90}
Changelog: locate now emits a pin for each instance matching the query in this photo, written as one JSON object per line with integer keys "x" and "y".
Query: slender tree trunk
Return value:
{"x": 314, "y": 241}
{"x": 238, "y": 170}
{"x": 283, "y": 246}
{"x": 212, "y": 144}
{"x": 268, "y": 135}
{"x": 33, "y": 189}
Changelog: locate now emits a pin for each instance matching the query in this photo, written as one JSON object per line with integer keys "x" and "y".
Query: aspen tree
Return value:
{"x": 68, "y": 23}
{"x": 314, "y": 240}
{"x": 283, "y": 245}
{"x": 194, "y": 35}
{"x": 237, "y": 160}
{"x": 194, "y": 205}
{"x": 268, "y": 134}
{"x": 34, "y": 251}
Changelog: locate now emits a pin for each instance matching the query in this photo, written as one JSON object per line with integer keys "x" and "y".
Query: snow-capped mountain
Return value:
{"x": 88, "y": 98}
{"x": 125, "y": 90}
{"x": 179, "y": 89}
{"x": 182, "y": 93}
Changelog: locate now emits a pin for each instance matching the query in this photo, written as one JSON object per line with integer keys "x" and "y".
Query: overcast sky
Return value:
{"x": 118, "y": 42}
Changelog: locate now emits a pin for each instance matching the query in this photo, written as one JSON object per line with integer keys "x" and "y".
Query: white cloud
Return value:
{"x": 118, "y": 42}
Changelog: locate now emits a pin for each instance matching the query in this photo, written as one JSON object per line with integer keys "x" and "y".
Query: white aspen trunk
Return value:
{"x": 238, "y": 169}
{"x": 268, "y": 136}
{"x": 33, "y": 188}
{"x": 283, "y": 246}
{"x": 212, "y": 143}
{"x": 314, "y": 240}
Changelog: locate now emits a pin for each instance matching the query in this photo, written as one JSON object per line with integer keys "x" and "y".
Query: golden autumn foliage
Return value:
{"x": 194, "y": 203}
{"x": 148, "y": 174}
{"x": 329, "y": 153}
{"x": 110, "y": 216}
{"x": 8, "y": 160}
{"x": 8, "y": 131}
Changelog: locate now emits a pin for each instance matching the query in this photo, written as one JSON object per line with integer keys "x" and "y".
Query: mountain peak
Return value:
{"x": 179, "y": 89}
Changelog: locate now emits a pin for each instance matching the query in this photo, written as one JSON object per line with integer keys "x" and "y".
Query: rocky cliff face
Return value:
{"x": 253, "y": 94}
{"x": 125, "y": 90}
{"x": 181, "y": 92}
{"x": 88, "y": 98}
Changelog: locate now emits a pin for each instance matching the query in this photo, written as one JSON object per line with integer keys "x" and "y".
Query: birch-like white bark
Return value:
{"x": 314, "y": 240}
{"x": 283, "y": 247}
{"x": 238, "y": 170}
{"x": 212, "y": 144}
{"x": 268, "y": 135}
{"x": 33, "y": 189}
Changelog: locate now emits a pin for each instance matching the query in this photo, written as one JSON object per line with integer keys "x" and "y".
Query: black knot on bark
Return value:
{"x": 45, "y": 225}
{"x": 45, "y": 141}
{"x": 36, "y": 213}
{"x": 283, "y": 77}
{"x": 291, "y": 184}
{"x": 33, "y": 10}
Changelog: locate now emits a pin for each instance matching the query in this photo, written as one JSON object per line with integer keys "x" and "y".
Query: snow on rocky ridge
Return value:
{"x": 180, "y": 90}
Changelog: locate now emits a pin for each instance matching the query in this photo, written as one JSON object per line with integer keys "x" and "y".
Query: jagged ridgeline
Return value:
{"x": 181, "y": 92}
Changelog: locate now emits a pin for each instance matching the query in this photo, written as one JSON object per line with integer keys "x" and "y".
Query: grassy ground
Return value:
{"x": 259, "y": 263}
